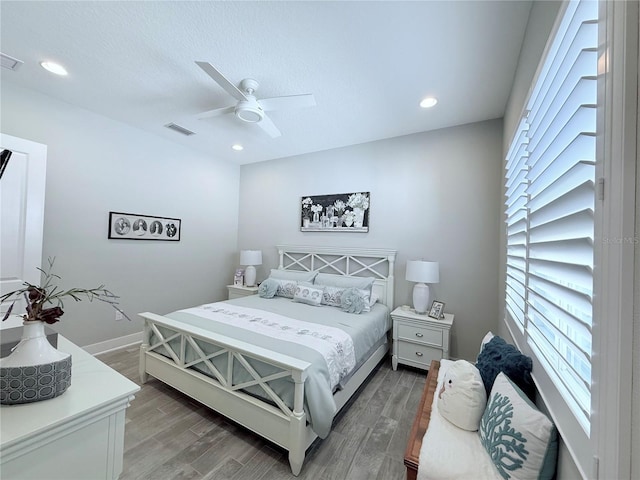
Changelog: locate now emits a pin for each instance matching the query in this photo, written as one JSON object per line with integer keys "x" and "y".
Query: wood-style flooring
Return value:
{"x": 170, "y": 436}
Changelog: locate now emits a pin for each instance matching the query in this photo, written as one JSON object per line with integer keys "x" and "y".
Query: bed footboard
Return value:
{"x": 170, "y": 351}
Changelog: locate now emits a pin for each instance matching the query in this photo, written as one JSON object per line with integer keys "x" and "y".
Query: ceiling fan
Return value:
{"x": 249, "y": 108}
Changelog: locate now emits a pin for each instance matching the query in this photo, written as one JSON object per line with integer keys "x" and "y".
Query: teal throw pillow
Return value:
{"x": 268, "y": 288}
{"x": 521, "y": 441}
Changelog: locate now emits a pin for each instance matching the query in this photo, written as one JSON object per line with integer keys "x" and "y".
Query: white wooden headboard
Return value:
{"x": 347, "y": 261}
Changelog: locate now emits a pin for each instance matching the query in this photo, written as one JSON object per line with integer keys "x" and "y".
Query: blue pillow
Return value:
{"x": 268, "y": 288}
{"x": 352, "y": 301}
{"x": 499, "y": 356}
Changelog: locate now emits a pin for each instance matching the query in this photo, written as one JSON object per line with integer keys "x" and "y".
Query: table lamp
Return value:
{"x": 422, "y": 272}
{"x": 250, "y": 258}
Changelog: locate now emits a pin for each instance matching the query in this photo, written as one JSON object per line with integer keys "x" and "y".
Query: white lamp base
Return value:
{"x": 250, "y": 276}
{"x": 421, "y": 297}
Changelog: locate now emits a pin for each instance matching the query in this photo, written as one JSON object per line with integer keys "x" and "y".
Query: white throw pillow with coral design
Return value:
{"x": 521, "y": 441}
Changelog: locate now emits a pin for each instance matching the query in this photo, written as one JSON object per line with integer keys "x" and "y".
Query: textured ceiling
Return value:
{"x": 367, "y": 63}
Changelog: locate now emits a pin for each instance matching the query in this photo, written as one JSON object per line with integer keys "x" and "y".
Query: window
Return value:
{"x": 550, "y": 197}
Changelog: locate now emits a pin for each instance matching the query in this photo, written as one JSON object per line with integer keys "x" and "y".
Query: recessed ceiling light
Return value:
{"x": 237, "y": 147}
{"x": 428, "y": 102}
{"x": 54, "y": 68}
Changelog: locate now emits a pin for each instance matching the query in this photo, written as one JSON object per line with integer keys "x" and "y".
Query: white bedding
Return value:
{"x": 335, "y": 345}
{"x": 448, "y": 452}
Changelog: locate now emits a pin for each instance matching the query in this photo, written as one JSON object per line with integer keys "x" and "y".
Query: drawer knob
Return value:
{"x": 419, "y": 335}
{"x": 419, "y": 354}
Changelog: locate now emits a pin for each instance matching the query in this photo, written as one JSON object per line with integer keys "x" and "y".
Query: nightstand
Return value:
{"x": 237, "y": 291}
{"x": 418, "y": 339}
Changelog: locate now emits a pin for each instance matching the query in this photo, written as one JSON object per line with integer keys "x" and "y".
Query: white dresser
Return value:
{"x": 78, "y": 435}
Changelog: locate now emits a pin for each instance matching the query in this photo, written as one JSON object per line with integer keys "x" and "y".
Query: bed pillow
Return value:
{"x": 285, "y": 288}
{"x": 354, "y": 300}
{"x": 298, "y": 276}
{"x": 462, "y": 398}
{"x": 268, "y": 288}
{"x": 308, "y": 294}
{"x": 499, "y": 356}
{"x": 332, "y": 296}
{"x": 344, "y": 281}
{"x": 521, "y": 441}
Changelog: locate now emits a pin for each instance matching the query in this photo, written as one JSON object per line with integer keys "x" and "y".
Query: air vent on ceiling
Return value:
{"x": 10, "y": 62}
{"x": 179, "y": 129}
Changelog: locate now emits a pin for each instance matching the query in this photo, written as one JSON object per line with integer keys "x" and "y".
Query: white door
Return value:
{"x": 22, "y": 189}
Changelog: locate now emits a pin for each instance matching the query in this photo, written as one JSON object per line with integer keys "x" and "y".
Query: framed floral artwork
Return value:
{"x": 133, "y": 226}
{"x": 340, "y": 212}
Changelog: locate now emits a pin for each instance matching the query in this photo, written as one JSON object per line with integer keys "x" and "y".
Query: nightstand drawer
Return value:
{"x": 420, "y": 334}
{"x": 414, "y": 352}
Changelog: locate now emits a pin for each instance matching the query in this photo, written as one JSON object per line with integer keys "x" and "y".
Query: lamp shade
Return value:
{"x": 251, "y": 257}
{"x": 423, "y": 272}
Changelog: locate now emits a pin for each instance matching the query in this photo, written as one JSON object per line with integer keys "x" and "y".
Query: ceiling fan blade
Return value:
{"x": 229, "y": 87}
{"x": 216, "y": 111}
{"x": 268, "y": 126}
{"x": 288, "y": 101}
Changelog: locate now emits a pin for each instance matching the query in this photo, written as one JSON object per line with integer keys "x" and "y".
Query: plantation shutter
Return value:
{"x": 550, "y": 249}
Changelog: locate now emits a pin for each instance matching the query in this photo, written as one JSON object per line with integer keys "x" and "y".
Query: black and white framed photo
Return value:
{"x": 238, "y": 277}
{"x": 339, "y": 212}
{"x": 436, "y": 310}
{"x": 133, "y": 226}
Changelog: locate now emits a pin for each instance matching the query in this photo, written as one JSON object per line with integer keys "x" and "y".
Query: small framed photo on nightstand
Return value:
{"x": 436, "y": 310}
{"x": 238, "y": 278}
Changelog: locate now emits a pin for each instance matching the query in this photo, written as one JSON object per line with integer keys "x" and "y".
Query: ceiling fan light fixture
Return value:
{"x": 249, "y": 111}
{"x": 428, "y": 102}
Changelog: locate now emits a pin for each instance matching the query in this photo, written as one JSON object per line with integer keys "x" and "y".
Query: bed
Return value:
{"x": 271, "y": 386}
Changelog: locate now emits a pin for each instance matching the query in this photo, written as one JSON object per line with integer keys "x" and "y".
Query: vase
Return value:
{"x": 348, "y": 221}
{"x": 35, "y": 370}
{"x": 316, "y": 217}
{"x": 306, "y": 222}
{"x": 359, "y": 217}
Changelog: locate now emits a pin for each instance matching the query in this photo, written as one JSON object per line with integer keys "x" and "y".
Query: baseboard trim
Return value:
{"x": 113, "y": 344}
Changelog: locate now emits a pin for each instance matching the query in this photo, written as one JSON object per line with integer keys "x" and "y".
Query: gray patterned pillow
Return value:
{"x": 332, "y": 295}
{"x": 286, "y": 288}
{"x": 308, "y": 294}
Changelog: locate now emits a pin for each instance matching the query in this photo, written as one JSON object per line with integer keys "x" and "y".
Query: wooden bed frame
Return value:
{"x": 274, "y": 420}
{"x": 421, "y": 422}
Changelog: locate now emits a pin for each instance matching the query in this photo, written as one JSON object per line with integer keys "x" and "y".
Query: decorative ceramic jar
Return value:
{"x": 35, "y": 370}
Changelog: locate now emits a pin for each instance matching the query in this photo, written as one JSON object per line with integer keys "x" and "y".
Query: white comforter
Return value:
{"x": 335, "y": 345}
{"x": 448, "y": 452}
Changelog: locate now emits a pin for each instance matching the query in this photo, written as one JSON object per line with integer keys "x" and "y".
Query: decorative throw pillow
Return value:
{"x": 499, "y": 356}
{"x": 298, "y": 276}
{"x": 462, "y": 398}
{"x": 268, "y": 288}
{"x": 332, "y": 296}
{"x": 307, "y": 294}
{"x": 286, "y": 288}
{"x": 521, "y": 441}
{"x": 352, "y": 301}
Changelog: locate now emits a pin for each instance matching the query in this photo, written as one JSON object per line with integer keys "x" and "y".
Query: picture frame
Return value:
{"x": 134, "y": 226}
{"x": 436, "y": 310}
{"x": 238, "y": 277}
{"x": 338, "y": 212}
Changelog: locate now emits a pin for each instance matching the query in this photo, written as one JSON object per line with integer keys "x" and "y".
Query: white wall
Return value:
{"x": 433, "y": 196}
{"x": 96, "y": 165}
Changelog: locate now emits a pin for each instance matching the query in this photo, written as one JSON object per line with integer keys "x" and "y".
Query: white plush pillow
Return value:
{"x": 521, "y": 440}
{"x": 462, "y": 398}
{"x": 307, "y": 294}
